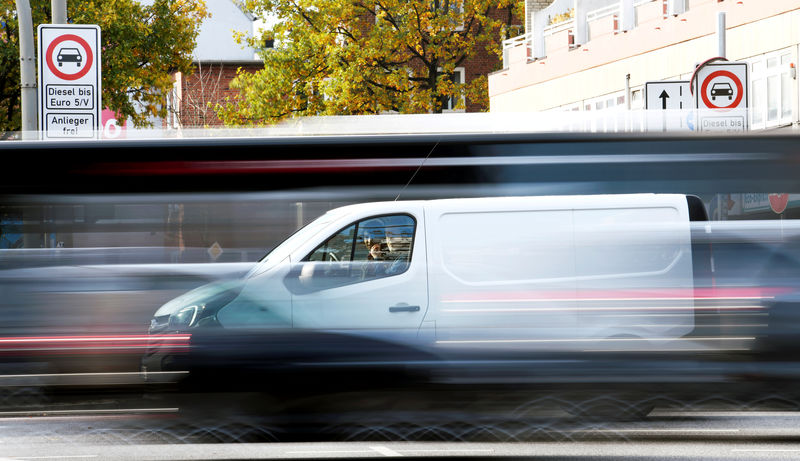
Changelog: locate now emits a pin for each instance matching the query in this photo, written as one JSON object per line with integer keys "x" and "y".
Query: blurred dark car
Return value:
{"x": 260, "y": 351}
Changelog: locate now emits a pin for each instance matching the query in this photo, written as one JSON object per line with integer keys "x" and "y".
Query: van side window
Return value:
{"x": 337, "y": 248}
{"x": 386, "y": 243}
{"x": 370, "y": 249}
{"x": 384, "y": 238}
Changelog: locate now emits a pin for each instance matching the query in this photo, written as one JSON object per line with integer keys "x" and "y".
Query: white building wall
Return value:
{"x": 571, "y": 80}
{"x": 215, "y": 41}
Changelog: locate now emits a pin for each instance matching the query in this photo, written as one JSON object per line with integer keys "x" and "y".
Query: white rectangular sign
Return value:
{"x": 69, "y": 125}
{"x": 670, "y": 106}
{"x": 711, "y": 121}
{"x": 670, "y": 95}
{"x": 721, "y": 96}
{"x": 69, "y": 81}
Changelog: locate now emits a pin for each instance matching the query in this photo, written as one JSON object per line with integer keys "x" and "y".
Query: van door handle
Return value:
{"x": 404, "y": 308}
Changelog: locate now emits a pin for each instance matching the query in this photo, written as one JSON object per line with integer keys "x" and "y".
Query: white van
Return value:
{"x": 552, "y": 272}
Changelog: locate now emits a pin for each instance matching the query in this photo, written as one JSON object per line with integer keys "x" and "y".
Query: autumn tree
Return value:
{"x": 334, "y": 57}
{"x": 143, "y": 44}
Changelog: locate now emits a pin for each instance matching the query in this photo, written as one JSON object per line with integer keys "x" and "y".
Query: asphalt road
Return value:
{"x": 162, "y": 434}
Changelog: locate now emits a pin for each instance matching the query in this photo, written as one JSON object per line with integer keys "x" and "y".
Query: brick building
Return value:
{"x": 199, "y": 92}
{"x": 483, "y": 62}
{"x": 217, "y": 57}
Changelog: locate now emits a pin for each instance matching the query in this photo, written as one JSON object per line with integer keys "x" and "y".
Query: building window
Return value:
{"x": 611, "y": 119}
{"x": 611, "y": 101}
{"x": 637, "y": 102}
{"x": 454, "y": 9}
{"x": 455, "y": 103}
{"x": 786, "y": 87}
{"x": 771, "y": 86}
{"x": 174, "y": 104}
{"x": 759, "y": 102}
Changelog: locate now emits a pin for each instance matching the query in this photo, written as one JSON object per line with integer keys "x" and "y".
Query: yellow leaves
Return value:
{"x": 563, "y": 17}
{"x": 149, "y": 42}
{"x": 239, "y": 37}
{"x": 477, "y": 91}
{"x": 346, "y": 57}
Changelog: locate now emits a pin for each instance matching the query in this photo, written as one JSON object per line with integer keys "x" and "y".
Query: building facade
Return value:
{"x": 217, "y": 59}
{"x": 589, "y": 55}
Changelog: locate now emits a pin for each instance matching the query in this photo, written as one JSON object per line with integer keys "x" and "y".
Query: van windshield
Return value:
{"x": 283, "y": 249}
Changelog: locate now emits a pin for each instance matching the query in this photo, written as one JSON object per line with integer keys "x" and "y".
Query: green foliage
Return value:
{"x": 142, "y": 46}
{"x": 345, "y": 57}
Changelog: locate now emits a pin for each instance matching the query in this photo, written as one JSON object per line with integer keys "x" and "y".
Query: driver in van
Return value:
{"x": 374, "y": 248}
{"x": 391, "y": 253}
{"x": 375, "y": 254}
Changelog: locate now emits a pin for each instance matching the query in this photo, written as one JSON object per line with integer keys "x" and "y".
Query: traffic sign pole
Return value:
{"x": 27, "y": 70}
{"x": 721, "y": 34}
{"x": 59, "y": 11}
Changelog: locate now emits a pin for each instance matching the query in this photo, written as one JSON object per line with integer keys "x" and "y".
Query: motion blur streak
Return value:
{"x": 343, "y": 165}
{"x": 599, "y": 340}
{"x": 108, "y": 344}
{"x": 626, "y": 295}
{"x": 253, "y": 166}
{"x": 510, "y": 312}
{"x": 593, "y": 309}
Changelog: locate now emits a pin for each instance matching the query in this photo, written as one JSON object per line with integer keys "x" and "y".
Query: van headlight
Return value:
{"x": 185, "y": 317}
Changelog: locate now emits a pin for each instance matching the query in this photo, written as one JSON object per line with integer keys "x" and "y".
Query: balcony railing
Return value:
{"x": 600, "y": 13}
{"x": 558, "y": 27}
{"x": 513, "y": 42}
{"x": 534, "y": 40}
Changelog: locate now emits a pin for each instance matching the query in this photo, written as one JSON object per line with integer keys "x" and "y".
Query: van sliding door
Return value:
{"x": 503, "y": 278}
{"x": 634, "y": 269}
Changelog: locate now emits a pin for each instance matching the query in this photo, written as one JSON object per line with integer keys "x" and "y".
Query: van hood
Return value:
{"x": 200, "y": 295}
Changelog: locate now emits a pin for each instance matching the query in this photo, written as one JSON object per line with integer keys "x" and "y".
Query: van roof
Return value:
{"x": 540, "y": 201}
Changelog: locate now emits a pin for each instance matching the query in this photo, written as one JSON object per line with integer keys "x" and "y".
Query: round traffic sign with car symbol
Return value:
{"x": 69, "y": 57}
{"x": 722, "y": 87}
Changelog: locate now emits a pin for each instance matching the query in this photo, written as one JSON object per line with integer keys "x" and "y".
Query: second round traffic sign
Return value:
{"x": 80, "y": 58}
{"x": 725, "y": 85}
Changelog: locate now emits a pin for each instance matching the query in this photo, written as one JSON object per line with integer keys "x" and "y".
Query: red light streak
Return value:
{"x": 107, "y": 344}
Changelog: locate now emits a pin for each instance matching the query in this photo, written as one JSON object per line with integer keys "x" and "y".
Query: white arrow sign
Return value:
{"x": 674, "y": 95}
{"x": 669, "y": 106}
